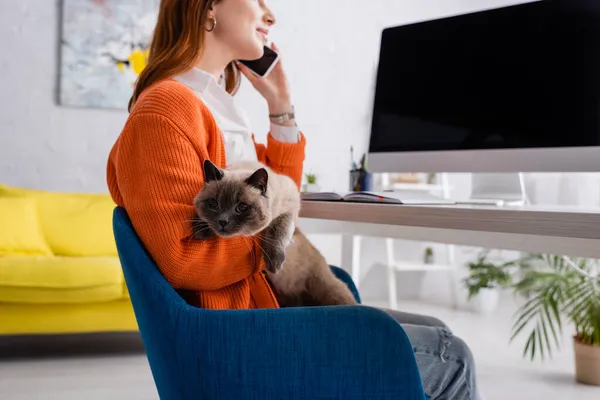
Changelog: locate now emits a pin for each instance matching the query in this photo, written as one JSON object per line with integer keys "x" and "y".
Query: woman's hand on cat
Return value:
{"x": 274, "y": 88}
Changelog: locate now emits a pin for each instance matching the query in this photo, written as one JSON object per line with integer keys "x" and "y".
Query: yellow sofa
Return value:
{"x": 59, "y": 268}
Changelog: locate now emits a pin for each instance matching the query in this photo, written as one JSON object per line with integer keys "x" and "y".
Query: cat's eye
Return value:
{"x": 212, "y": 204}
{"x": 241, "y": 208}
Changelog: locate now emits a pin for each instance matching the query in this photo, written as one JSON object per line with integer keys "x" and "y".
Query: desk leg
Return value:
{"x": 351, "y": 256}
{"x": 451, "y": 261}
{"x": 391, "y": 266}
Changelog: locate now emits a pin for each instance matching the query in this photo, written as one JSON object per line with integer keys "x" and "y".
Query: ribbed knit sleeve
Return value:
{"x": 159, "y": 172}
{"x": 283, "y": 158}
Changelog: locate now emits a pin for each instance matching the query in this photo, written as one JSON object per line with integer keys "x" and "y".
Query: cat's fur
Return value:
{"x": 252, "y": 200}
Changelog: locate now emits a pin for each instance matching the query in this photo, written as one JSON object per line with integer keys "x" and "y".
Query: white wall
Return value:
{"x": 43, "y": 145}
{"x": 330, "y": 50}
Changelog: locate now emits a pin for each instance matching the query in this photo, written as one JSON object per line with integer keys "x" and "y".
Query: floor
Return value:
{"x": 503, "y": 372}
{"x": 114, "y": 367}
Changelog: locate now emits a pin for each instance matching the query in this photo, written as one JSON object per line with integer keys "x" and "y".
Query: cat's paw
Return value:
{"x": 201, "y": 230}
{"x": 289, "y": 239}
{"x": 275, "y": 238}
{"x": 274, "y": 258}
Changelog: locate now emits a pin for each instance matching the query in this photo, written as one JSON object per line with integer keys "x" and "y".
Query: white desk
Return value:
{"x": 564, "y": 231}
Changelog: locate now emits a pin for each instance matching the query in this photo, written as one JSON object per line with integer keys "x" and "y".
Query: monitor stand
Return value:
{"x": 422, "y": 193}
{"x": 489, "y": 189}
{"x": 497, "y": 189}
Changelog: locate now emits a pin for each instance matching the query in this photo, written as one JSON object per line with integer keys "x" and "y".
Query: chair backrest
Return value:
{"x": 155, "y": 303}
{"x": 140, "y": 270}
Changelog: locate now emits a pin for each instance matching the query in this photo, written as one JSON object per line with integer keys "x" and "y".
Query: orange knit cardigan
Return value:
{"x": 155, "y": 170}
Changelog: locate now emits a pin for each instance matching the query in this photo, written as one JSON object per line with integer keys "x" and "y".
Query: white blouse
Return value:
{"x": 230, "y": 117}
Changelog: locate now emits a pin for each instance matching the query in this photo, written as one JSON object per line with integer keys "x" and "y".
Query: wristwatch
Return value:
{"x": 282, "y": 118}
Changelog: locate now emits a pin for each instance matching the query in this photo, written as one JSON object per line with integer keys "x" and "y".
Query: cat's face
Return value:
{"x": 233, "y": 205}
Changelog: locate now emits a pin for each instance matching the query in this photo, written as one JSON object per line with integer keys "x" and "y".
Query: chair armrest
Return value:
{"x": 347, "y": 279}
{"x": 319, "y": 352}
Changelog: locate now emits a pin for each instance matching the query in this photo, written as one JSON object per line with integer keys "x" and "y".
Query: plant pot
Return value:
{"x": 486, "y": 301}
{"x": 311, "y": 188}
{"x": 587, "y": 363}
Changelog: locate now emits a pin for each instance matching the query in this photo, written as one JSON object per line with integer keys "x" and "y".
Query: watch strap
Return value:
{"x": 281, "y": 118}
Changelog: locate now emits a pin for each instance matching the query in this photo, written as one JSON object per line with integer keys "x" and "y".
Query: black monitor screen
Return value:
{"x": 525, "y": 76}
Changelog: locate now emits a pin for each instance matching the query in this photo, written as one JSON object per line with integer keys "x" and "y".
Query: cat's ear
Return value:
{"x": 211, "y": 172}
{"x": 259, "y": 180}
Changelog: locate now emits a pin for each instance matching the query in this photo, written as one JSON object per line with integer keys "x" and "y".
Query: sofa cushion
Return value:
{"x": 20, "y": 232}
{"x": 58, "y": 279}
{"x": 74, "y": 224}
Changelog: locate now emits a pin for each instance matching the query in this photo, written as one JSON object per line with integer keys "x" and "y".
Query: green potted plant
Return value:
{"x": 431, "y": 178}
{"x": 428, "y": 257}
{"x": 485, "y": 279}
{"x": 555, "y": 292}
{"x": 311, "y": 185}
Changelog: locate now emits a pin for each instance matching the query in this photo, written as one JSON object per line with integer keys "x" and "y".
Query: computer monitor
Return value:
{"x": 512, "y": 89}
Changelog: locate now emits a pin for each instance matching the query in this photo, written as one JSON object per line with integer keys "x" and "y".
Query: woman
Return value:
{"x": 181, "y": 113}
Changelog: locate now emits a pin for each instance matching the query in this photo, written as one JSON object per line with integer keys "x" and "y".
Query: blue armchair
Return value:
{"x": 351, "y": 352}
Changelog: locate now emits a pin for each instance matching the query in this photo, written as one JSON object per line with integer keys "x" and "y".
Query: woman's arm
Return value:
{"x": 284, "y": 152}
{"x": 158, "y": 172}
{"x": 283, "y": 157}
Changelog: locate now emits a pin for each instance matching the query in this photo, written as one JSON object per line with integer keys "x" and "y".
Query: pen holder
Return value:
{"x": 361, "y": 181}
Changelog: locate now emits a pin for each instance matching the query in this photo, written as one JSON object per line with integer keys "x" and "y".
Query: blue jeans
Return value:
{"x": 445, "y": 362}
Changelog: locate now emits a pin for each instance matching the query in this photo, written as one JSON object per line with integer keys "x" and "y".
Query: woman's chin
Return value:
{"x": 255, "y": 53}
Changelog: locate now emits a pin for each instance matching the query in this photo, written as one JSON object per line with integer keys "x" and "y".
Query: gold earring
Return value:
{"x": 214, "y": 25}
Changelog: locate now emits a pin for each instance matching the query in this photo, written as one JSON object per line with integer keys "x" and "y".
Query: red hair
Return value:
{"x": 177, "y": 45}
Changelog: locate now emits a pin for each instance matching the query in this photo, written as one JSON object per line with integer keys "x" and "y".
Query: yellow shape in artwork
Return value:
{"x": 137, "y": 60}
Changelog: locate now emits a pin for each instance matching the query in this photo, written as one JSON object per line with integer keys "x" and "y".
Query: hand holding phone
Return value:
{"x": 264, "y": 65}
{"x": 268, "y": 77}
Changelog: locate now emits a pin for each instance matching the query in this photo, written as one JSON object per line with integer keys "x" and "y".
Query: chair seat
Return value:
{"x": 60, "y": 280}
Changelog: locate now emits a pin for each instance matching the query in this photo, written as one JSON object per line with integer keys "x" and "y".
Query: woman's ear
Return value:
{"x": 213, "y": 6}
{"x": 211, "y": 17}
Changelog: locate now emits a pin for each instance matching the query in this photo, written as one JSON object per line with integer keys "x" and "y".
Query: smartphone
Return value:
{"x": 264, "y": 65}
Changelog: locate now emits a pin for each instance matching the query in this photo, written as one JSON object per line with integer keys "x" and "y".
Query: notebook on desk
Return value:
{"x": 395, "y": 197}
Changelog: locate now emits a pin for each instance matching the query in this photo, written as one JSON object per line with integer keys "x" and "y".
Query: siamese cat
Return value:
{"x": 249, "y": 199}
